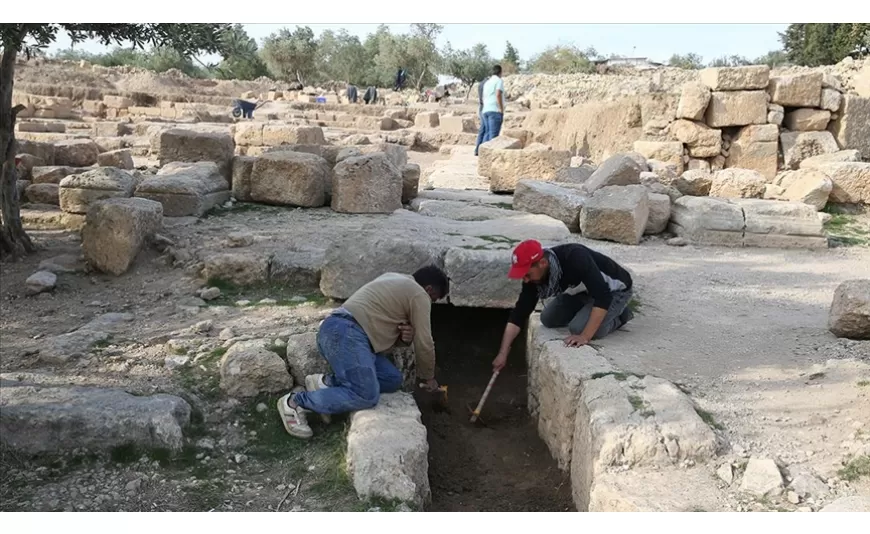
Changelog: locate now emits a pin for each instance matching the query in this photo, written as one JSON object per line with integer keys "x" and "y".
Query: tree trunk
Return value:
{"x": 420, "y": 79}
{"x": 14, "y": 241}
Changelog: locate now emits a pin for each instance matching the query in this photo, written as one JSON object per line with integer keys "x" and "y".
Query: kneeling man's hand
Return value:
{"x": 576, "y": 341}
{"x": 406, "y": 332}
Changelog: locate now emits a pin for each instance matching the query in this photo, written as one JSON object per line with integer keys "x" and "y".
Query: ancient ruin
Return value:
{"x": 186, "y": 257}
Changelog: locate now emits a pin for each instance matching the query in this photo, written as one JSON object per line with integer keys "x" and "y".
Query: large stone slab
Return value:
{"x": 76, "y": 153}
{"x": 852, "y": 126}
{"x": 62, "y": 348}
{"x": 410, "y": 182}
{"x": 387, "y": 451}
{"x": 79, "y": 191}
{"x": 796, "y": 91}
{"x": 702, "y": 141}
{"x": 243, "y": 166}
{"x": 849, "y": 315}
{"x": 616, "y": 213}
{"x": 115, "y": 231}
{"x": 178, "y": 145}
{"x": 290, "y": 179}
{"x": 367, "y": 184}
{"x": 706, "y": 220}
{"x": 53, "y": 174}
{"x": 694, "y": 182}
{"x": 756, "y": 148}
{"x": 620, "y": 169}
{"x": 625, "y": 421}
{"x": 486, "y": 151}
{"x": 186, "y": 189}
{"x": 781, "y": 218}
{"x": 798, "y": 146}
{"x": 38, "y": 419}
{"x": 809, "y": 186}
{"x": 478, "y": 278}
{"x": 407, "y": 241}
{"x": 736, "y": 108}
{"x": 736, "y": 78}
{"x": 737, "y": 183}
{"x": 843, "y": 156}
{"x": 510, "y": 166}
{"x": 659, "y": 214}
{"x": 560, "y": 202}
{"x": 669, "y": 152}
{"x": 42, "y": 194}
{"x": 807, "y": 120}
{"x": 285, "y": 134}
{"x": 459, "y": 210}
{"x": 396, "y": 154}
{"x": 248, "y": 368}
{"x": 694, "y": 98}
{"x": 556, "y": 377}
{"x": 851, "y": 181}
{"x": 350, "y": 264}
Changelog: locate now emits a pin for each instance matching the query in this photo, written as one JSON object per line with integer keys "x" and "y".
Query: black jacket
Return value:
{"x": 580, "y": 265}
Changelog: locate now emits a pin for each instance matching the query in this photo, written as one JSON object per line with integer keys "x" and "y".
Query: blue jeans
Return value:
{"x": 493, "y": 121}
{"x": 481, "y": 134}
{"x": 359, "y": 375}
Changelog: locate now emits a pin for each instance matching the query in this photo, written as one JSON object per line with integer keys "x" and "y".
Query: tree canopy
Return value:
{"x": 184, "y": 40}
{"x": 824, "y": 44}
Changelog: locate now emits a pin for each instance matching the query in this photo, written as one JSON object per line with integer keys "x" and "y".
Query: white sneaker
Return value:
{"x": 313, "y": 383}
{"x": 295, "y": 421}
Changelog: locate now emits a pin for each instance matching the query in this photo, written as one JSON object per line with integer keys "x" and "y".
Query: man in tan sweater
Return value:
{"x": 372, "y": 320}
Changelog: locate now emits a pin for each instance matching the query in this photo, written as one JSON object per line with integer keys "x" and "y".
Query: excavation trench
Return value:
{"x": 500, "y": 464}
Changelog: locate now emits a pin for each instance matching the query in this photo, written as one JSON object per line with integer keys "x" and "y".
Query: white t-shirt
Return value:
{"x": 490, "y": 100}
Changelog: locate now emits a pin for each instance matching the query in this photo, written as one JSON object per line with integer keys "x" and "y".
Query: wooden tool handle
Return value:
{"x": 483, "y": 398}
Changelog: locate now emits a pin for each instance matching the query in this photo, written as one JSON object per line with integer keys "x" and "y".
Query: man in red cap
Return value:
{"x": 596, "y": 306}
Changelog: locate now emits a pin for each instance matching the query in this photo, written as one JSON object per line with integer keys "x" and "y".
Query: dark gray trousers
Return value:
{"x": 573, "y": 311}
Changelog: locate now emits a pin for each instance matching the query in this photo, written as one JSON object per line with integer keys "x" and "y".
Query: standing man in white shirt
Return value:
{"x": 493, "y": 106}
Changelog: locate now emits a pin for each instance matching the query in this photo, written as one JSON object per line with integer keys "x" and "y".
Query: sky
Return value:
{"x": 655, "y": 41}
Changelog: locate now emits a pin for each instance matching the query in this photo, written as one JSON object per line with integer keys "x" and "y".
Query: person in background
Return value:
{"x": 493, "y": 104}
{"x": 481, "y": 133}
{"x": 352, "y": 94}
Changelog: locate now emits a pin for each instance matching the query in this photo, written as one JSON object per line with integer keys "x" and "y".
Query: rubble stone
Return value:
{"x": 367, "y": 184}
{"x": 79, "y": 191}
{"x": 562, "y": 203}
{"x": 291, "y": 179}
{"x": 736, "y": 108}
{"x": 737, "y": 183}
{"x": 798, "y": 146}
{"x": 849, "y": 315}
{"x": 115, "y": 231}
{"x": 616, "y": 213}
{"x": 796, "y": 91}
{"x": 248, "y": 368}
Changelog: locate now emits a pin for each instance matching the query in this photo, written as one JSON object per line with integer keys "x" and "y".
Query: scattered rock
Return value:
{"x": 43, "y": 418}
{"x": 116, "y": 229}
{"x": 616, "y": 213}
{"x": 248, "y": 369}
{"x": 762, "y": 478}
{"x": 304, "y": 358}
{"x": 210, "y": 293}
{"x": 620, "y": 169}
{"x": 793, "y": 497}
{"x": 849, "y": 315}
{"x": 40, "y": 282}
{"x": 677, "y": 242}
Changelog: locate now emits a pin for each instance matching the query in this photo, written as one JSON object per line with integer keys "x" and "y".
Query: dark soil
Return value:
{"x": 498, "y": 464}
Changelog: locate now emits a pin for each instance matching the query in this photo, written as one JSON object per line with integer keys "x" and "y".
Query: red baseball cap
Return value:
{"x": 526, "y": 253}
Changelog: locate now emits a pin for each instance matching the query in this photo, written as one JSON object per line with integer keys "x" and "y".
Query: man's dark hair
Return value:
{"x": 496, "y": 70}
{"x": 431, "y": 275}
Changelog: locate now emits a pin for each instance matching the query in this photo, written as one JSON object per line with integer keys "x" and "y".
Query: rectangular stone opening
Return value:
{"x": 500, "y": 464}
